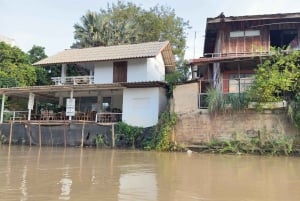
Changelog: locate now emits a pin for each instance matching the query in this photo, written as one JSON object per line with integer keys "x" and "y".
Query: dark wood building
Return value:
{"x": 234, "y": 46}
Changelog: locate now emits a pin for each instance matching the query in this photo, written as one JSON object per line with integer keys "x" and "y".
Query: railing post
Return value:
{"x": 2, "y": 108}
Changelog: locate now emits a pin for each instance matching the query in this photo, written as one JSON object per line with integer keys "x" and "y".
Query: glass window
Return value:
{"x": 240, "y": 83}
{"x": 106, "y": 104}
{"x": 247, "y": 33}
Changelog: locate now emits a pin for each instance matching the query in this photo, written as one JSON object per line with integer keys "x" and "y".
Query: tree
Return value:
{"x": 36, "y": 53}
{"x": 91, "y": 32}
{"x": 128, "y": 23}
{"x": 278, "y": 78}
{"x": 15, "y": 68}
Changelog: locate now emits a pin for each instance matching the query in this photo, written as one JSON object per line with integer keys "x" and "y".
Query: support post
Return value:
{"x": 30, "y": 105}
{"x": 2, "y": 108}
{"x": 113, "y": 135}
{"x": 63, "y": 73}
{"x": 40, "y": 134}
{"x": 10, "y": 132}
{"x": 71, "y": 96}
{"x": 82, "y": 133}
{"x": 65, "y": 136}
{"x": 29, "y": 135}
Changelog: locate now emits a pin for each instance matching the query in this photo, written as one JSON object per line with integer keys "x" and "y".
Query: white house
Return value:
{"x": 126, "y": 79}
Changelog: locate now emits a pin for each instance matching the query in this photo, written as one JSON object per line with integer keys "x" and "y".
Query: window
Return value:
{"x": 247, "y": 33}
{"x": 106, "y": 104}
{"x": 240, "y": 83}
{"x": 284, "y": 38}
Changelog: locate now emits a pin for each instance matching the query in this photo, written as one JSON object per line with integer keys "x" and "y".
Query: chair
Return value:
{"x": 44, "y": 115}
{"x": 51, "y": 115}
{"x": 104, "y": 118}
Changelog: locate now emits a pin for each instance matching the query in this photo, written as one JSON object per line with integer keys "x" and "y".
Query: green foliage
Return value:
{"x": 279, "y": 75}
{"x": 128, "y": 133}
{"x": 215, "y": 100}
{"x": 172, "y": 81}
{"x": 183, "y": 69}
{"x": 236, "y": 101}
{"x": 278, "y": 78}
{"x": 264, "y": 145}
{"x": 162, "y": 135}
{"x": 3, "y": 139}
{"x": 294, "y": 110}
{"x": 15, "y": 68}
{"x": 127, "y": 23}
{"x": 99, "y": 140}
{"x": 36, "y": 53}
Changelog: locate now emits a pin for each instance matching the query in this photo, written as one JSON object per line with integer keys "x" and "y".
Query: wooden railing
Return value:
{"x": 108, "y": 117}
{"x": 73, "y": 80}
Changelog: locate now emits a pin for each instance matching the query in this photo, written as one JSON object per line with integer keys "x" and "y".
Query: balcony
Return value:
{"x": 73, "y": 80}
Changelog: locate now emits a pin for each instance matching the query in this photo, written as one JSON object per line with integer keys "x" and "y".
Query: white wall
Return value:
{"x": 155, "y": 69}
{"x": 137, "y": 70}
{"x": 103, "y": 73}
{"x": 141, "y": 106}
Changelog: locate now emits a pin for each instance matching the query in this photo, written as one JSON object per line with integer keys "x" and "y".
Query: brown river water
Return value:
{"x": 128, "y": 175}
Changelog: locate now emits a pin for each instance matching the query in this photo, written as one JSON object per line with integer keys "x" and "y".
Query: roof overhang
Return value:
{"x": 113, "y": 53}
{"x": 208, "y": 60}
{"x": 49, "y": 91}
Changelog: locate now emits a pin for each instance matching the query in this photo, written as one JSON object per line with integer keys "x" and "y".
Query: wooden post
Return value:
{"x": 82, "y": 133}
{"x": 71, "y": 97}
{"x": 2, "y": 108}
{"x": 113, "y": 135}
{"x": 28, "y": 127}
{"x": 40, "y": 134}
{"x": 10, "y": 132}
{"x": 65, "y": 136}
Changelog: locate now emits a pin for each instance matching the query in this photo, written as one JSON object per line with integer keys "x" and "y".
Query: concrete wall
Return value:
{"x": 141, "y": 106}
{"x": 138, "y": 70}
{"x": 103, "y": 72}
{"x": 193, "y": 128}
{"x": 155, "y": 68}
{"x": 185, "y": 98}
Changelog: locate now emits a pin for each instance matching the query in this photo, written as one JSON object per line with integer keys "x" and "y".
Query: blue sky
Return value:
{"x": 49, "y": 23}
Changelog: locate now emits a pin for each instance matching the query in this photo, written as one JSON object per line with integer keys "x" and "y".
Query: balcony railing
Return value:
{"x": 73, "y": 80}
{"x": 108, "y": 117}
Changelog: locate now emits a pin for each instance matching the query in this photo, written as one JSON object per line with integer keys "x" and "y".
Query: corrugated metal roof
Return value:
{"x": 131, "y": 51}
{"x": 223, "y": 18}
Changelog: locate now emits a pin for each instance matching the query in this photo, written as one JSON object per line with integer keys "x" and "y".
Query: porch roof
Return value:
{"x": 207, "y": 60}
{"x": 50, "y": 90}
{"x": 117, "y": 52}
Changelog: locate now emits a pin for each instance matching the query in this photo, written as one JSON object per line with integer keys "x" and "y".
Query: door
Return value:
{"x": 120, "y": 71}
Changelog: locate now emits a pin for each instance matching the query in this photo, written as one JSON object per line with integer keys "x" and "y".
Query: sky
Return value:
{"x": 49, "y": 23}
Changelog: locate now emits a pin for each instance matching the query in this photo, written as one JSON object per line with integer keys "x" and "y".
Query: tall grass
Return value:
{"x": 215, "y": 100}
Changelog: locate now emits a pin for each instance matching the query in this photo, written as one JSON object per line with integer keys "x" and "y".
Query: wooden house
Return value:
{"x": 235, "y": 45}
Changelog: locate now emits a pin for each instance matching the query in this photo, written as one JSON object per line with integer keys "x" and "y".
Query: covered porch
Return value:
{"x": 232, "y": 76}
{"x": 101, "y": 103}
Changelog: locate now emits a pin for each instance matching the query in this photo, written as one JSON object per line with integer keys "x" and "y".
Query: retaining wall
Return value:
{"x": 197, "y": 128}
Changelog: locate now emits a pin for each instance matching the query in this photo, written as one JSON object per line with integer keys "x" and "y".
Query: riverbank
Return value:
{"x": 70, "y": 134}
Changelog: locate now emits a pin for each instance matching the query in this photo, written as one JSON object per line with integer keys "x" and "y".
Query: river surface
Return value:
{"x": 96, "y": 174}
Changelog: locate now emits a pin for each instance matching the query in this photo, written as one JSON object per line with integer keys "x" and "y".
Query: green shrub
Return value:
{"x": 128, "y": 133}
